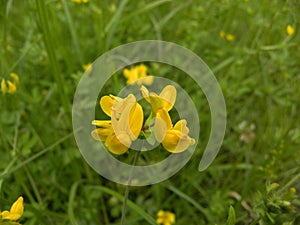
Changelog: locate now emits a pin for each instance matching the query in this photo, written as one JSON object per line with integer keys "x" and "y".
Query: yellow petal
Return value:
{"x": 169, "y": 95}
{"x": 11, "y": 87}
{"x": 3, "y": 86}
{"x": 15, "y": 77}
{"x": 10, "y": 216}
{"x": 136, "y": 120}
{"x": 290, "y": 30}
{"x": 145, "y": 93}
{"x": 17, "y": 207}
{"x": 106, "y": 103}
{"x": 175, "y": 142}
{"x": 101, "y": 134}
{"x": 162, "y": 124}
{"x": 102, "y": 123}
{"x": 114, "y": 144}
{"x": 182, "y": 127}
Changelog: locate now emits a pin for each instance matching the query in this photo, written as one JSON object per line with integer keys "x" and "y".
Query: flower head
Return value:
{"x": 229, "y": 37}
{"x": 8, "y": 86}
{"x": 87, "y": 67}
{"x": 16, "y": 210}
{"x": 290, "y": 30}
{"x": 138, "y": 75}
{"x": 174, "y": 139}
{"x": 165, "y": 217}
{"x": 80, "y": 1}
{"x": 125, "y": 124}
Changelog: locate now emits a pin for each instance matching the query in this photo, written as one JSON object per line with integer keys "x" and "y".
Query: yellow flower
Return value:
{"x": 290, "y": 30}
{"x": 16, "y": 211}
{"x": 138, "y": 75}
{"x": 8, "y": 86}
{"x": 125, "y": 124}
{"x": 80, "y": 1}
{"x": 222, "y": 34}
{"x": 229, "y": 37}
{"x": 87, "y": 67}
{"x": 174, "y": 139}
{"x": 165, "y": 217}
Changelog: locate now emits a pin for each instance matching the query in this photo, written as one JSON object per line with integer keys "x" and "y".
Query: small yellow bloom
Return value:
{"x": 174, "y": 139}
{"x": 80, "y": 1}
{"x": 8, "y": 86}
{"x": 16, "y": 211}
{"x": 87, "y": 67}
{"x": 15, "y": 77}
{"x": 290, "y": 30}
{"x": 222, "y": 34}
{"x": 165, "y": 217}
{"x": 138, "y": 75}
{"x": 125, "y": 124}
{"x": 229, "y": 37}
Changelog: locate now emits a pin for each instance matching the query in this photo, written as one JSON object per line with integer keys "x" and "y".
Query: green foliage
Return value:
{"x": 47, "y": 43}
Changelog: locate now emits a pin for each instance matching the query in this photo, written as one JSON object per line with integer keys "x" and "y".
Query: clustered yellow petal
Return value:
{"x": 175, "y": 138}
{"x": 290, "y": 30}
{"x": 165, "y": 217}
{"x": 125, "y": 125}
{"x": 127, "y": 117}
{"x": 138, "y": 75}
{"x": 227, "y": 36}
{"x": 8, "y": 86}
{"x": 15, "y": 212}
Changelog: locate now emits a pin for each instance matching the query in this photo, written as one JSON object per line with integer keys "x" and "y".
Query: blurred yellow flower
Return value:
{"x": 227, "y": 36}
{"x": 174, "y": 139}
{"x": 87, "y": 67}
{"x": 16, "y": 211}
{"x": 138, "y": 75}
{"x": 80, "y": 1}
{"x": 8, "y": 86}
{"x": 165, "y": 217}
{"x": 290, "y": 30}
{"x": 125, "y": 125}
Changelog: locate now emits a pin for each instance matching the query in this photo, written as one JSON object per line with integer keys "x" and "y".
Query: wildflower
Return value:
{"x": 174, "y": 139}
{"x": 8, "y": 86}
{"x": 16, "y": 211}
{"x": 125, "y": 124}
{"x": 87, "y": 67}
{"x": 138, "y": 75}
{"x": 290, "y": 30}
{"x": 80, "y": 1}
{"x": 227, "y": 36}
{"x": 165, "y": 217}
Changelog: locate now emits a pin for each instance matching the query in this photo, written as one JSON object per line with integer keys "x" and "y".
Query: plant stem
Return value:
{"x": 137, "y": 154}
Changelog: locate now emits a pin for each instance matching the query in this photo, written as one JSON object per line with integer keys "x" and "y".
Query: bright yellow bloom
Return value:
{"x": 80, "y": 1}
{"x": 138, "y": 75}
{"x": 125, "y": 124}
{"x": 15, "y": 77}
{"x": 8, "y": 86}
{"x": 222, "y": 34}
{"x": 290, "y": 30}
{"x": 174, "y": 139}
{"x": 16, "y": 211}
{"x": 87, "y": 67}
{"x": 165, "y": 217}
{"x": 229, "y": 37}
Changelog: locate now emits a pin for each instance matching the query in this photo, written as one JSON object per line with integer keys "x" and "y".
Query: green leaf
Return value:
{"x": 231, "y": 217}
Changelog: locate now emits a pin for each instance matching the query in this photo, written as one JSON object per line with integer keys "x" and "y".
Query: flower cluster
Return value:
{"x": 138, "y": 75}
{"x": 80, "y": 1}
{"x": 8, "y": 86}
{"x": 15, "y": 212}
{"x": 165, "y": 217}
{"x": 290, "y": 30}
{"x": 227, "y": 36}
{"x": 127, "y": 122}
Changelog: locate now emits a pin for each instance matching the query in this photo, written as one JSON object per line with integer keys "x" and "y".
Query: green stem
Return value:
{"x": 48, "y": 40}
{"x": 137, "y": 154}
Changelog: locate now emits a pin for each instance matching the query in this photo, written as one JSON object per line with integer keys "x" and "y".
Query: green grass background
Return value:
{"x": 47, "y": 42}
